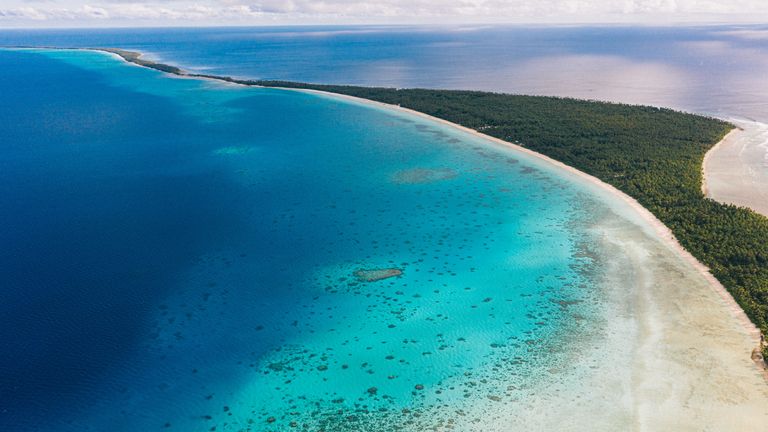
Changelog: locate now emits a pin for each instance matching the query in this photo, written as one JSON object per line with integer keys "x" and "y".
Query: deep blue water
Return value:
{"x": 716, "y": 70}
{"x": 181, "y": 254}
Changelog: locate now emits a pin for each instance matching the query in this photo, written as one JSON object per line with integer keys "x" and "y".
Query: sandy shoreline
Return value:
{"x": 732, "y": 135}
{"x": 735, "y": 169}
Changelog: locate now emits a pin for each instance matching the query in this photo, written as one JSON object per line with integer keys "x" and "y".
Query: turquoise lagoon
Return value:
{"x": 189, "y": 255}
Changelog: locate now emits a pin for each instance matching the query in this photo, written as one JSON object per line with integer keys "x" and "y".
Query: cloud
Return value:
{"x": 393, "y": 11}
{"x": 95, "y": 12}
{"x": 28, "y": 13}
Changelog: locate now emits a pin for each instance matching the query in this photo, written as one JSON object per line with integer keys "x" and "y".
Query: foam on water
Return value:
{"x": 254, "y": 315}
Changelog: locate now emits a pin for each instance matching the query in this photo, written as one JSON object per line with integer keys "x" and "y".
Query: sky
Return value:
{"x": 128, "y": 13}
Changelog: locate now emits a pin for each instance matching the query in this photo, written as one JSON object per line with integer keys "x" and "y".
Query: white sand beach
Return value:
{"x": 736, "y": 169}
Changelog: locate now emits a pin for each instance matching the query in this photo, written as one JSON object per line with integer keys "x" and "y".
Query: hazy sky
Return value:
{"x": 104, "y": 13}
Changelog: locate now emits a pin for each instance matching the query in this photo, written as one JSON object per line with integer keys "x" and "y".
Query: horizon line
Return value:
{"x": 665, "y": 24}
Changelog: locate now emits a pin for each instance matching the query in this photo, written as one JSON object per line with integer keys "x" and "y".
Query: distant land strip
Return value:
{"x": 652, "y": 154}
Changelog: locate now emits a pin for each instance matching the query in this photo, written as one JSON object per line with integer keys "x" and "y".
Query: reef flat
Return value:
{"x": 373, "y": 275}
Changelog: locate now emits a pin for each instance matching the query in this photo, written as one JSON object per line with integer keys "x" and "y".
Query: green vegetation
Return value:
{"x": 654, "y": 155}
{"x": 135, "y": 57}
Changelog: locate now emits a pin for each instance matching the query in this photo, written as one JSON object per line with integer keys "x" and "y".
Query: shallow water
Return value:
{"x": 186, "y": 254}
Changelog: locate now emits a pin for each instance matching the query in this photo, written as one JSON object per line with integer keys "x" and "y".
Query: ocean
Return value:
{"x": 190, "y": 255}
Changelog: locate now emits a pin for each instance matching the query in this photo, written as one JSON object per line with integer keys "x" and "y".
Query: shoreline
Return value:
{"x": 733, "y": 134}
{"x": 734, "y": 169}
{"x": 662, "y": 231}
